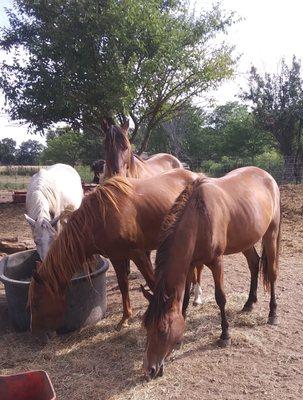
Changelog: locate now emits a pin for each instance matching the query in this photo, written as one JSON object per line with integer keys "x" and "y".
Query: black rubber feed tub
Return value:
{"x": 86, "y": 298}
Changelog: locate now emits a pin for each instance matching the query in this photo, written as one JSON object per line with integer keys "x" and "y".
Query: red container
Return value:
{"x": 32, "y": 385}
{"x": 19, "y": 196}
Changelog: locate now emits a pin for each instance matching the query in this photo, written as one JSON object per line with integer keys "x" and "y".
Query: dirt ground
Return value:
{"x": 263, "y": 362}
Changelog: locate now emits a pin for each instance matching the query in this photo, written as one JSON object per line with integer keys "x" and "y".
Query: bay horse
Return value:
{"x": 50, "y": 192}
{"x": 121, "y": 220}
{"x": 120, "y": 160}
{"x": 212, "y": 217}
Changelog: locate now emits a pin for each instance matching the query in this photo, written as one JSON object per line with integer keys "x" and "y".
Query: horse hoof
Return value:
{"x": 121, "y": 325}
{"x": 273, "y": 320}
{"x": 248, "y": 308}
{"x": 224, "y": 342}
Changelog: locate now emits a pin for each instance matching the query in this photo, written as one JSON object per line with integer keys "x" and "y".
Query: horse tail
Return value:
{"x": 268, "y": 271}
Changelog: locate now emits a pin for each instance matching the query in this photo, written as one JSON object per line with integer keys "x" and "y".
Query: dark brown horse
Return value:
{"x": 120, "y": 159}
{"x": 211, "y": 218}
{"x": 98, "y": 169}
{"x": 120, "y": 220}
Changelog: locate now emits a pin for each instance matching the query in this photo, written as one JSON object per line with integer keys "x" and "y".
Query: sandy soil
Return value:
{"x": 263, "y": 362}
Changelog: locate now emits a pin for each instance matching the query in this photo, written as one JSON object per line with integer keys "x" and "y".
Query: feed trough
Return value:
{"x": 86, "y": 298}
{"x": 32, "y": 385}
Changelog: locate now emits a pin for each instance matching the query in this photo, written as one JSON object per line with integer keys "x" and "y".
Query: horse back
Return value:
{"x": 237, "y": 210}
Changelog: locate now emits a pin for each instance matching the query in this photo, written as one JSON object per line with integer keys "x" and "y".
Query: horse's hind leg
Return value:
{"x": 121, "y": 268}
{"x": 197, "y": 285}
{"x": 218, "y": 275}
{"x": 253, "y": 260}
{"x": 270, "y": 265}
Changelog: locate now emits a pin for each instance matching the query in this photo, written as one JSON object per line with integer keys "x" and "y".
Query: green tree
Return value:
{"x": 277, "y": 103}
{"x": 64, "y": 147}
{"x": 7, "y": 151}
{"x": 69, "y": 146}
{"x": 237, "y": 132}
{"x": 228, "y": 131}
{"x": 88, "y": 59}
{"x": 29, "y": 152}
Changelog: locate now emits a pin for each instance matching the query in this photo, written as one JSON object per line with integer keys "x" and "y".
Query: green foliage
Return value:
{"x": 88, "y": 59}
{"x": 29, "y": 152}
{"x": 229, "y": 131}
{"x": 277, "y": 103}
{"x": 7, "y": 151}
{"x": 71, "y": 147}
{"x": 64, "y": 148}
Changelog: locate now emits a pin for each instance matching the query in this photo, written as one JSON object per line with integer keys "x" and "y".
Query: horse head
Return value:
{"x": 98, "y": 169}
{"x": 44, "y": 233}
{"x": 47, "y": 308}
{"x": 165, "y": 327}
{"x": 117, "y": 147}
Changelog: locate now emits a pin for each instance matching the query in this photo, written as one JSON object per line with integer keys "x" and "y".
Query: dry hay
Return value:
{"x": 100, "y": 363}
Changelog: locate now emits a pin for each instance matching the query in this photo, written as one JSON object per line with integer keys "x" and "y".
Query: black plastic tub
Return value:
{"x": 86, "y": 297}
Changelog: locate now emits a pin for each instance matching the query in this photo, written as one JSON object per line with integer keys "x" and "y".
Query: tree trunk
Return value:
{"x": 145, "y": 141}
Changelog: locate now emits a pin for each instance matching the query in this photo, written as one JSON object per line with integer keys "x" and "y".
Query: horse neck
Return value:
{"x": 38, "y": 206}
{"x": 70, "y": 251}
{"x": 178, "y": 256}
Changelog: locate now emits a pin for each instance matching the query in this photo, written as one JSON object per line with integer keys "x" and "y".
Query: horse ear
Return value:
{"x": 30, "y": 220}
{"x": 125, "y": 126}
{"x": 55, "y": 220}
{"x": 146, "y": 293}
{"x": 104, "y": 125}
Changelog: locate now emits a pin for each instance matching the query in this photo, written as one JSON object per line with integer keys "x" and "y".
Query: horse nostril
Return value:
{"x": 152, "y": 372}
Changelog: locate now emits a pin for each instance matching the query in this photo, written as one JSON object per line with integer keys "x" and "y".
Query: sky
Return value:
{"x": 269, "y": 30}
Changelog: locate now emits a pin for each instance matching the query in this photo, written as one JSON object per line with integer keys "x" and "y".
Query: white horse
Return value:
{"x": 49, "y": 193}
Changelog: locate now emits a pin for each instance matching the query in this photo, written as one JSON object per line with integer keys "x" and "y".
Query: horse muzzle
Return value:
{"x": 154, "y": 372}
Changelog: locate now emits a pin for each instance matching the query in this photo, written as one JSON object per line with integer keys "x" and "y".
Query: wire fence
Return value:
{"x": 17, "y": 177}
{"x": 283, "y": 172}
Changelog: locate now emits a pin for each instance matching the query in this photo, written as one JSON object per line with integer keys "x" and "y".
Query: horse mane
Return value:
{"x": 116, "y": 139}
{"x": 155, "y": 309}
{"x": 67, "y": 255}
{"x": 41, "y": 197}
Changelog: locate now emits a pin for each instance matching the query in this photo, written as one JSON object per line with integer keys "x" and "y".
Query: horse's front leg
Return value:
{"x": 121, "y": 269}
{"x": 189, "y": 280}
{"x": 217, "y": 270}
{"x": 142, "y": 260}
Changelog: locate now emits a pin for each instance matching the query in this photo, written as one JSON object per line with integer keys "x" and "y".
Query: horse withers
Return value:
{"x": 50, "y": 192}
{"x": 211, "y": 218}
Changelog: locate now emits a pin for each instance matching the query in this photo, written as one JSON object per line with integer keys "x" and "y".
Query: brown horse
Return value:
{"x": 120, "y": 159}
{"x": 120, "y": 220}
{"x": 211, "y": 217}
